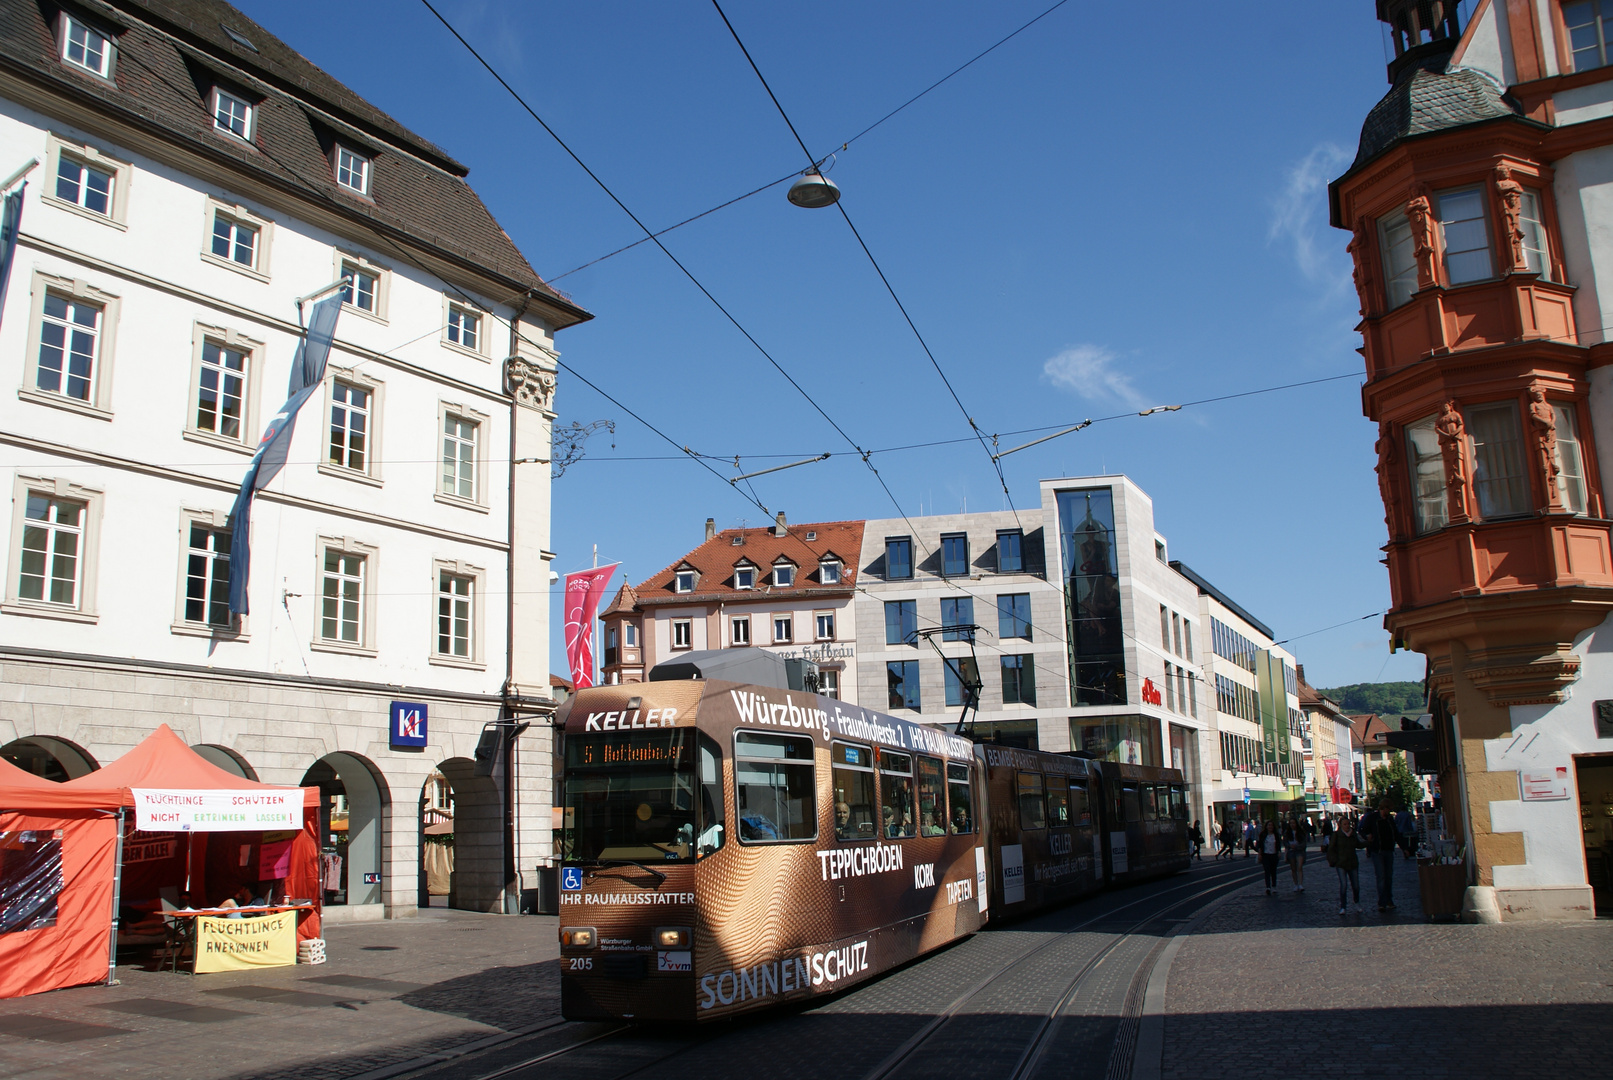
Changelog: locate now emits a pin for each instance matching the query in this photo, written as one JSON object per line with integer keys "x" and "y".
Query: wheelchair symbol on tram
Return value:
{"x": 571, "y": 878}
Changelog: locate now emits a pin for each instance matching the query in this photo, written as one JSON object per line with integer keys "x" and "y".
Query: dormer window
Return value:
{"x": 829, "y": 572}
{"x": 232, "y": 114}
{"x": 352, "y": 170}
{"x": 86, "y": 48}
{"x": 783, "y": 575}
{"x": 683, "y": 581}
{"x": 745, "y": 577}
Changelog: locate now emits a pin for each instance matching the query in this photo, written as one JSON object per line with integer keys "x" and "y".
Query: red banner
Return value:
{"x": 1332, "y": 766}
{"x": 584, "y": 590}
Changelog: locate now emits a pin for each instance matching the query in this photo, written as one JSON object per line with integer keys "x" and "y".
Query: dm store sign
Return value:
{"x": 408, "y": 725}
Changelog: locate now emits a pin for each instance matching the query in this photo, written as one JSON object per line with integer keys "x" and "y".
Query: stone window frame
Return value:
{"x": 478, "y": 614}
{"x": 214, "y": 94}
{"x": 237, "y": 630}
{"x": 122, "y": 172}
{"x": 64, "y": 18}
{"x": 383, "y": 283}
{"x": 371, "y": 555}
{"x": 672, "y": 634}
{"x": 213, "y": 207}
{"x": 106, "y": 348}
{"x": 482, "y": 421}
{"x": 834, "y": 624}
{"x": 248, "y": 442}
{"x": 85, "y": 610}
{"x": 371, "y": 474}
{"x": 734, "y": 622}
{"x": 782, "y": 616}
{"x": 484, "y": 321}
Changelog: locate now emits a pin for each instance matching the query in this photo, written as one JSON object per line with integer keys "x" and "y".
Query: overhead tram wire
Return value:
{"x": 649, "y": 235}
{"x": 840, "y": 205}
{"x": 844, "y": 144}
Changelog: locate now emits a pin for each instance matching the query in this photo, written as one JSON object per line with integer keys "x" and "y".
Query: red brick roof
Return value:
{"x": 1370, "y": 729}
{"x": 626, "y": 600}
{"x": 714, "y": 562}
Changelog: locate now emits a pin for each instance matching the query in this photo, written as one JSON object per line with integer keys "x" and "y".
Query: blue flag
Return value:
{"x": 307, "y": 373}
{"x": 10, "y": 226}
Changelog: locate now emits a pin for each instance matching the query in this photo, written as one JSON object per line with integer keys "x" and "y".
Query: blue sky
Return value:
{"x": 1112, "y": 211}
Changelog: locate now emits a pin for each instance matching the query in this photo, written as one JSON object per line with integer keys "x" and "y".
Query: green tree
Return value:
{"x": 1396, "y": 782}
{"x": 1385, "y": 699}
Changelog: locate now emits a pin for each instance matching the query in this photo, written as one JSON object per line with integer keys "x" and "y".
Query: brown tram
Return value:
{"x": 727, "y": 847}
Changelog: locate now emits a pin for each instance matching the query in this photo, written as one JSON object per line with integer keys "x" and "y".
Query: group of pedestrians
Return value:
{"x": 1379, "y": 834}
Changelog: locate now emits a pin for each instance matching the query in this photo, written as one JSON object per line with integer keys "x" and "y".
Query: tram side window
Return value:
{"x": 1131, "y": 805}
{"x": 932, "y": 798}
{"x": 1179, "y": 803}
{"x": 1032, "y": 812}
{"x": 962, "y": 796}
{"x": 853, "y": 774}
{"x": 1058, "y": 804}
{"x": 773, "y": 782}
{"x": 1080, "y": 808}
{"x": 712, "y": 831}
{"x": 1147, "y": 797}
{"x": 896, "y": 792}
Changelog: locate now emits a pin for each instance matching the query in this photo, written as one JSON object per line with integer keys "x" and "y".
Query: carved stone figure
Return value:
{"x": 1511, "y": 193}
{"x": 1388, "y": 469}
{"x": 1420, "y": 215}
{"x": 1452, "y": 436}
{"x": 1543, "y": 422}
{"x": 1359, "y": 254}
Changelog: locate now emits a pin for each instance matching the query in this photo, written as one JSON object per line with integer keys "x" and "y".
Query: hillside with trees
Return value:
{"x": 1386, "y": 698}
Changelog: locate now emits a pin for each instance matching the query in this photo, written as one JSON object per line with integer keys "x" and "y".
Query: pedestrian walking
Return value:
{"x": 1327, "y": 830}
{"x": 1270, "y": 854}
{"x": 1294, "y": 849}
{"x": 1249, "y": 835}
{"x": 1229, "y": 840}
{"x": 1378, "y": 830}
{"x": 1341, "y": 856}
{"x": 1196, "y": 836}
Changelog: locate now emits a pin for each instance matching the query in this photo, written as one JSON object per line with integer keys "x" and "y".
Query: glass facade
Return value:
{"x": 1130, "y": 739}
{"x": 1092, "y": 598}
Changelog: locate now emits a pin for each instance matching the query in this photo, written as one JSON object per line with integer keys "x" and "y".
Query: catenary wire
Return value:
{"x": 996, "y": 464}
{"x": 844, "y": 145}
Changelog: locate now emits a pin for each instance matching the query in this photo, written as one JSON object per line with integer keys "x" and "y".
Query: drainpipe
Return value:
{"x": 507, "y": 711}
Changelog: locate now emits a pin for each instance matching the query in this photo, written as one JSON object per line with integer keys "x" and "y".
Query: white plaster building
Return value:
{"x": 194, "y": 177}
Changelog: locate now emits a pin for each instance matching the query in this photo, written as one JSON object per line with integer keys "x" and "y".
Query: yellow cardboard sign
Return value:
{"x": 240, "y": 944}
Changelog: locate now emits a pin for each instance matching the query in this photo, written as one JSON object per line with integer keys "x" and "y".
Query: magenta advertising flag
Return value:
{"x": 584, "y": 589}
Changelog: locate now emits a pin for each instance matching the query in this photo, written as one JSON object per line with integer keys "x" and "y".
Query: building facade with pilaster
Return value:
{"x": 189, "y": 179}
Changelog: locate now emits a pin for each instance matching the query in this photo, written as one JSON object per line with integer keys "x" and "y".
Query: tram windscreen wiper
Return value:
{"x": 658, "y": 875}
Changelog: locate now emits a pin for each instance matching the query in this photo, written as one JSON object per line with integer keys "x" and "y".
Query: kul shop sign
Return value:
{"x": 407, "y": 725}
{"x": 216, "y": 810}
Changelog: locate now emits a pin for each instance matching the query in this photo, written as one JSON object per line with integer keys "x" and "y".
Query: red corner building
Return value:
{"x": 1481, "y": 208}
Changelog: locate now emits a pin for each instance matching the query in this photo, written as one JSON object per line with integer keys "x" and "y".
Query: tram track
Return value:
{"x": 644, "y": 1055}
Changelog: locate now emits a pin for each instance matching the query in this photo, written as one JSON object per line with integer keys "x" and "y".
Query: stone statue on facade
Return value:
{"x": 1388, "y": 463}
{"x": 1511, "y": 194}
{"x": 1543, "y": 422}
{"x": 1357, "y": 247}
{"x": 1452, "y": 436}
{"x": 1420, "y": 215}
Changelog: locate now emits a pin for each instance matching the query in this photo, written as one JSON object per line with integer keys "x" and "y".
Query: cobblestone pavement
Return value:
{"x": 392, "y": 992}
{"x": 1285, "y": 981}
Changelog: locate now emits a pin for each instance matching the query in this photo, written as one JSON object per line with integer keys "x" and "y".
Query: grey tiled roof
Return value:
{"x": 170, "y": 53}
{"x": 1426, "y": 98}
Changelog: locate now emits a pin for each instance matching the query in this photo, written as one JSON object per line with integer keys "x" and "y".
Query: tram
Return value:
{"x": 727, "y": 847}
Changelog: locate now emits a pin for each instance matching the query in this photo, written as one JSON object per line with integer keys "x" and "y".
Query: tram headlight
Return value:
{"x": 673, "y": 937}
{"x": 577, "y": 937}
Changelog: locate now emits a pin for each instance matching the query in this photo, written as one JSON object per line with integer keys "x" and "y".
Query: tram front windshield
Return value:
{"x": 630, "y": 797}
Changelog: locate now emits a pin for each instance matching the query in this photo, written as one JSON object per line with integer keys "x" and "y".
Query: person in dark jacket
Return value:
{"x": 1294, "y": 852}
{"x": 1270, "y": 846}
{"x": 1341, "y": 853}
{"x": 1196, "y": 836}
{"x": 1378, "y": 830}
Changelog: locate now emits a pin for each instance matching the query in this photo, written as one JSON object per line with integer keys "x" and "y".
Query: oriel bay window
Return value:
{"x": 1500, "y": 476}
{"x": 1427, "y": 468}
{"x": 1465, "y": 235}
{"x": 1570, "y": 462}
{"x": 1399, "y": 258}
{"x": 1536, "y": 250}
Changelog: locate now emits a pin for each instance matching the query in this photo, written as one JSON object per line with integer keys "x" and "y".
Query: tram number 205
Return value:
{"x": 580, "y": 963}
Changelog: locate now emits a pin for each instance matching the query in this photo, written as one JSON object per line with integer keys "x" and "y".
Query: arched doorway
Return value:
{"x": 477, "y": 850}
{"x": 52, "y": 758}
{"x": 352, "y": 807}
{"x": 436, "y": 841}
{"x": 226, "y": 759}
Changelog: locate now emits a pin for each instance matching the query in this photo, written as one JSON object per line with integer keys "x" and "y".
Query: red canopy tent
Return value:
{"x": 62, "y": 937}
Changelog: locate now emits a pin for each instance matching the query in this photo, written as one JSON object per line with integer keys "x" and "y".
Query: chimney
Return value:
{"x": 779, "y": 528}
{"x": 711, "y": 528}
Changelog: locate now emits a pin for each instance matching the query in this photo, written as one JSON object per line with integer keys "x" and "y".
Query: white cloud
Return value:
{"x": 1299, "y": 216}
{"x": 1088, "y": 370}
